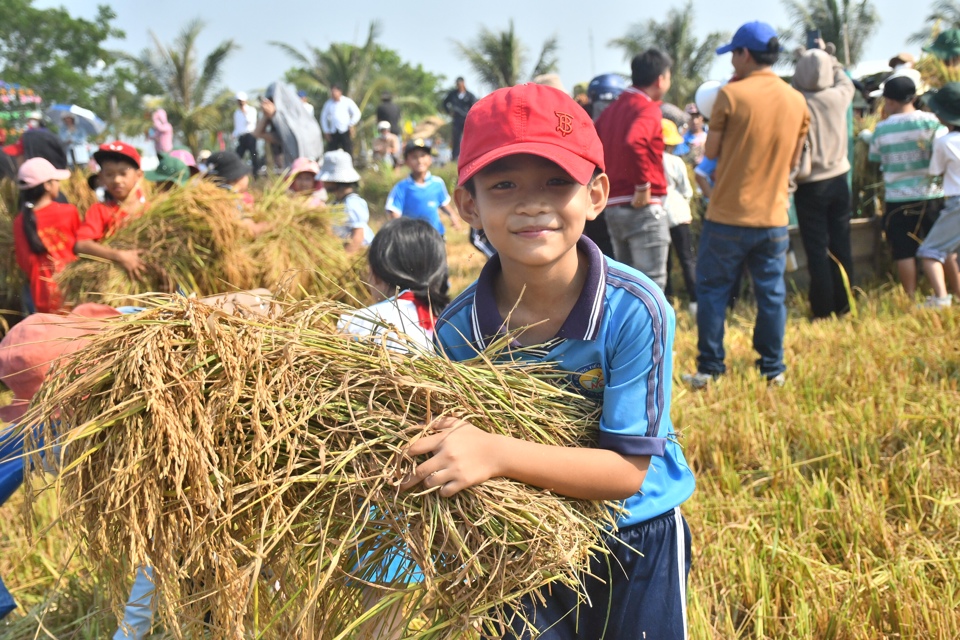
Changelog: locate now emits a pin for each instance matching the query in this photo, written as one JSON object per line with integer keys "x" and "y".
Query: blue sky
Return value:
{"x": 422, "y": 31}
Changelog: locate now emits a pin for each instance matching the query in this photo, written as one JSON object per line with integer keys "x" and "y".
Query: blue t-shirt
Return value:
{"x": 617, "y": 345}
{"x": 353, "y": 213}
{"x": 423, "y": 201}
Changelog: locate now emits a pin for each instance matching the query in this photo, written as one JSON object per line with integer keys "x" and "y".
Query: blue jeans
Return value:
{"x": 724, "y": 250}
{"x": 138, "y": 614}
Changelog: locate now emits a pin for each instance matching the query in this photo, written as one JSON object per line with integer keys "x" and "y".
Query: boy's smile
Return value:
{"x": 532, "y": 211}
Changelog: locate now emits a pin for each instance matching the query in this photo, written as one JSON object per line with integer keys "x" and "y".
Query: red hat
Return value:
{"x": 116, "y": 148}
{"x": 535, "y": 119}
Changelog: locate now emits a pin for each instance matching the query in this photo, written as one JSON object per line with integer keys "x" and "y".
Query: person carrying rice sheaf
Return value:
{"x": 121, "y": 179}
{"x": 531, "y": 173}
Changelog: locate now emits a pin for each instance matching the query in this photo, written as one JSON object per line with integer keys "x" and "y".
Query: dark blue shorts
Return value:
{"x": 642, "y": 595}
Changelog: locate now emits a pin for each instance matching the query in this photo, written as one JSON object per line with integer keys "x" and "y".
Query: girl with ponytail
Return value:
{"x": 44, "y": 233}
{"x": 408, "y": 277}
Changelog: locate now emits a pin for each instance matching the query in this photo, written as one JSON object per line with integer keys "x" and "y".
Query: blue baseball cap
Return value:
{"x": 753, "y": 36}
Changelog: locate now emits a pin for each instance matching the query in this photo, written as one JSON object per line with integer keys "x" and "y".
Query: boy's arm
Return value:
{"x": 704, "y": 184}
{"x": 128, "y": 259}
{"x": 633, "y": 427}
{"x": 464, "y": 456}
{"x": 394, "y": 204}
{"x": 454, "y": 218}
{"x": 718, "y": 120}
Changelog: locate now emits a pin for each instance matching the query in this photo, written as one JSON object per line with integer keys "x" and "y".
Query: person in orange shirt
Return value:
{"x": 44, "y": 233}
{"x": 121, "y": 177}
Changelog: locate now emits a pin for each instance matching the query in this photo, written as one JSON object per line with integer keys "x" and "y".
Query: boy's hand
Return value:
{"x": 462, "y": 456}
{"x": 269, "y": 109}
{"x": 131, "y": 262}
{"x": 641, "y": 198}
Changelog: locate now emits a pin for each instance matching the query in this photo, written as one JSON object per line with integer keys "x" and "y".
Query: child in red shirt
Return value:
{"x": 44, "y": 232}
{"x": 121, "y": 177}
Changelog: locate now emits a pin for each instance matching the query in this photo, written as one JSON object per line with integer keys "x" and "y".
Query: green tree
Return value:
{"x": 194, "y": 102}
{"x": 848, "y": 24}
{"x": 944, "y": 14}
{"x": 348, "y": 66}
{"x": 499, "y": 58}
{"x": 692, "y": 58}
{"x": 54, "y": 53}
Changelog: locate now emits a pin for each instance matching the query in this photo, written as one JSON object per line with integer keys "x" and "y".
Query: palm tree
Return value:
{"x": 945, "y": 14}
{"x": 692, "y": 58}
{"x": 192, "y": 99}
{"x": 345, "y": 65}
{"x": 499, "y": 58}
{"x": 848, "y": 24}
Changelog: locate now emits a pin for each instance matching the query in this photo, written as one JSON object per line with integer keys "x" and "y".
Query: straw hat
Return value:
{"x": 338, "y": 167}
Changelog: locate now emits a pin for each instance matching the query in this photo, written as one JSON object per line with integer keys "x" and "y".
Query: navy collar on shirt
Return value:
{"x": 583, "y": 323}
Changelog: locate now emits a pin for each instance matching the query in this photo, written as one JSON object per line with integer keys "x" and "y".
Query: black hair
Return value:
{"x": 646, "y": 67}
{"x": 107, "y": 156}
{"x": 472, "y": 188}
{"x": 769, "y": 57}
{"x": 459, "y": 79}
{"x": 28, "y": 198}
{"x": 408, "y": 253}
{"x": 336, "y": 85}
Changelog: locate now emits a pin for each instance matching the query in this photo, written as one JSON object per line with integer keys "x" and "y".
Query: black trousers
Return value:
{"x": 597, "y": 231}
{"x": 247, "y": 143}
{"x": 457, "y": 135}
{"x": 340, "y": 140}
{"x": 823, "y": 214}
{"x": 681, "y": 246}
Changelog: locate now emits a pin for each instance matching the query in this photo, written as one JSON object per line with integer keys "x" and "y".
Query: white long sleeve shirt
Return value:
{"x": 244, "y": 120}
{"x": 338, "y": 116}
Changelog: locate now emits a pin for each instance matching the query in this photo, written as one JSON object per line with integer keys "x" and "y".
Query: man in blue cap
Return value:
{"x": 757, "y": 128}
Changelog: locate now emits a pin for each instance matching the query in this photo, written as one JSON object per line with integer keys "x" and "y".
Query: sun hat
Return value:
{"x": 946, "y": 46}
{"x": 204, "y": 155}
{"x": 946, "y": 103}
{"x": 304, "y": 165}
{"x": 706, "y": 96}
{"x": 338, "y": 167}
{"x": 383, "y": 124}
{"x": 36, "y": 171}
{"x": 226, "y": 166}
{"x": 170, "y": 169}
{"x": 417, "y": 143}
{"x": 900, "y": 89}
{"x": 242, "y": 96}
{"x": 116, "y": 150}
{"x": 534, "y": 119}
{"x": 901, "y": 58}
{"x": 187, "y": 158}
{"x": 753, "y": 36}
{"x": 671, "y": 135}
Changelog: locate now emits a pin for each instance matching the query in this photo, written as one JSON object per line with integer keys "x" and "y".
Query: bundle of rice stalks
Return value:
{"x": 78, "y": 191}
{"x": 254, "y": 462}
{"x": 301, "y": 252}
{"x": 11, "y": 278}
{"x": 188, "y": 237}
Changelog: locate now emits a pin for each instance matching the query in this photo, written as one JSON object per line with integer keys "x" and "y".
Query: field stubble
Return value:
{"x": 829, "y": 508}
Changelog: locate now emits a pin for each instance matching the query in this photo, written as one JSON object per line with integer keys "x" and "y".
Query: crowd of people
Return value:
{"x": 578, "y": 205}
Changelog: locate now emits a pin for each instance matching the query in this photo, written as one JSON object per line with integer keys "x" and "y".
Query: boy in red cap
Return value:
{"x": 121, "y": 177}
{"x": 531, "y": 174}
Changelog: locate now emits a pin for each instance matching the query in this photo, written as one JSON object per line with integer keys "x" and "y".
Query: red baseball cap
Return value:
{"x": 534, "y": 119}
{"x": 116, "y": 148}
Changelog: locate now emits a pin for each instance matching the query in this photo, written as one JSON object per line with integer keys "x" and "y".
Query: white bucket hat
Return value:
{"x": 338, "y": 167}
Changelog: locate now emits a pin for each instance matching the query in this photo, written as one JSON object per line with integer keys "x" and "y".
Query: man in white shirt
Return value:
{"x": 244, "y": 122}
{"x": 338, "y": 117}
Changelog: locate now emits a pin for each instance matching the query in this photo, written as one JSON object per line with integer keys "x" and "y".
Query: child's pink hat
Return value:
{"x": 534, "y": 119}
{"x": 304, "y": 165}
{"x": 36, "y": 171}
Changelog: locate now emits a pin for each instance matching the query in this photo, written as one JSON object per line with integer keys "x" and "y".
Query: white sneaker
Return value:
{"x": 692, "y": 308}
{"x": 698, "y": 380}
{"x": 933, "y": 302}
{"x": 777, "y": 381}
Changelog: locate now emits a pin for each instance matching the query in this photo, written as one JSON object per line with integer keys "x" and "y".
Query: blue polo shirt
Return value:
{"x": 414, "y": 200}
{"x": 617, "y": 345}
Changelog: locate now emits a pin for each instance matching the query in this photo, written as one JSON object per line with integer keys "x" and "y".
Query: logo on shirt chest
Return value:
{"x": 588, "y": 380}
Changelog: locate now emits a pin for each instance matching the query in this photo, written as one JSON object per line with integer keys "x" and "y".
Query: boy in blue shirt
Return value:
{"x": 421, "y": 194}
{"x": 530, "y": 176}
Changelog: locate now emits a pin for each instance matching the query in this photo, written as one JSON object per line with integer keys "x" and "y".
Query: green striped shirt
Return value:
{"x": 903, "y": 145}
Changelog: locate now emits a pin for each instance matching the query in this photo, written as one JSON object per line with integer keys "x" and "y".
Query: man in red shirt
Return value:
{"x": 631, "y": 130}
{"x": 120, "y": 176}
